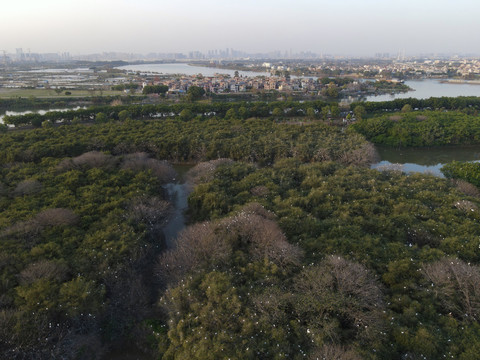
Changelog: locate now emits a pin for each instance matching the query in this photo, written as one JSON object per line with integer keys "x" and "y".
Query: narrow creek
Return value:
{"x": 177, "y": 195}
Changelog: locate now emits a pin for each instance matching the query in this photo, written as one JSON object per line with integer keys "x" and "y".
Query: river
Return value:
{"x": 424, "y": 89}
{"x": 182, "y": 68}
{"x": 425, "y": 160}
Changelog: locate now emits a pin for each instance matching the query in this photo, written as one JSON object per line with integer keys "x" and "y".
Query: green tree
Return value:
{"x": 359, "y": 112}
{"x": 243, "y": 112}
{"x": 124, "y": 115}
{"x": 311, "y": 113}
{"x": 186, "y": 114}
{"x": 331, "y": 91}
{"x": 277, "y": 113}
{"x": 325, "y": 112}
{"x": 101, "y": 117}
{"x": 195, "y": 93}
{"x": 231, "y": 114}
{"x": 47, "y": 124}
{"x": 155, "y": 89}
{"x": 335, "y": 111}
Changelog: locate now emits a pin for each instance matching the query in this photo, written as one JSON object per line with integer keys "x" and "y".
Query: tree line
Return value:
{"x": 421, "y": 128}
{"x": 242, "y": 109}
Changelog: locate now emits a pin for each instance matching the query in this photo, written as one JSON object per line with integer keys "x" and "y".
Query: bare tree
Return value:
{"x": 151, "y": 211}
{"x": 339, "y": 294}
{"x": 43, "y": 269}
{"x": 196, "y": 247}
{"x": 322, "y": 154}
{"x": 257, "y": 209}
{"x": 466, "y": 188}
{"x": 274, "y": 304}
{"x": 465, "y": 206}
{"x": 50, "y": 217}
{"x": 203, "y": 172}
{"x": 259, "y": 191}
{"x": 91, "y": 159}
{"x": 79, "y": 346}
{"x": 364, "y": 155}
{"x": 334, "y": 352}
{"x": 7, "y": 333}
{"x": 142, "y": 161}
{"x": 209, "y": 244}
{"x": 56, "y": 217}
{"x": 457, "y": 285}
{"x": 261, "y": 237}
{"x": 27, "y": 187}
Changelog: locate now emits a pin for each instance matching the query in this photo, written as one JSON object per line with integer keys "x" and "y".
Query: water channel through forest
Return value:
{"x": 424, "y": 160}
{"x": 177, "y": 194}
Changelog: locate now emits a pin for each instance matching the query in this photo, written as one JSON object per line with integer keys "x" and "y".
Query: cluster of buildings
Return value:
{"x": 409, "y": 68}
{"x": 226, "y": 84}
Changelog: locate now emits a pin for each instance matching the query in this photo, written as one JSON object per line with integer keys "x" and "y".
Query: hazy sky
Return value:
{"x": 348, "y": 27}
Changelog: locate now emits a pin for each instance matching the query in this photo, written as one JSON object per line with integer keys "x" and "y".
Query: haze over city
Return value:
{"x": 344, "y": 27}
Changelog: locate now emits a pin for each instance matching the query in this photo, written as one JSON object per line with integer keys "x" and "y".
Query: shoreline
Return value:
{"x": 460, "y": 82}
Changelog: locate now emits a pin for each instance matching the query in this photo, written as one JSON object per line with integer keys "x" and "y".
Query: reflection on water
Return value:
{"x": 425, "y": 160}
{"x": 182, "y": 68}
{"x": 409, "y": 168}
{"x": 428, "y": 88}
{"x": 41, "y": 112}
{"x": 177, "y": 194}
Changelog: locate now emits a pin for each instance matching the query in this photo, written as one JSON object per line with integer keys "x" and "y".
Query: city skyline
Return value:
{"x": 348, "y": 27}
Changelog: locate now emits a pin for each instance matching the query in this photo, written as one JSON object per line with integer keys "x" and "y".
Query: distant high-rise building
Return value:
{"x": 20, "y": 55}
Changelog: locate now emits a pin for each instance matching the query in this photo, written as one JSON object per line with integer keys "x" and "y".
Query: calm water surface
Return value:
{"x": 181, "y": 68}
{"x": 177, "y": 193}
{"x": 424, "y": 89}
{"x": 41, "y": 112}
{"x": 425, "y": 159}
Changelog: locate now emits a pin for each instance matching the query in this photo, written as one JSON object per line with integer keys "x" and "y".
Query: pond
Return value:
{"x": 425, "y": 159}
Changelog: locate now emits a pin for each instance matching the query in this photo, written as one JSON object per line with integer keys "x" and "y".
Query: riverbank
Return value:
{"x": 460, "y": 81}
